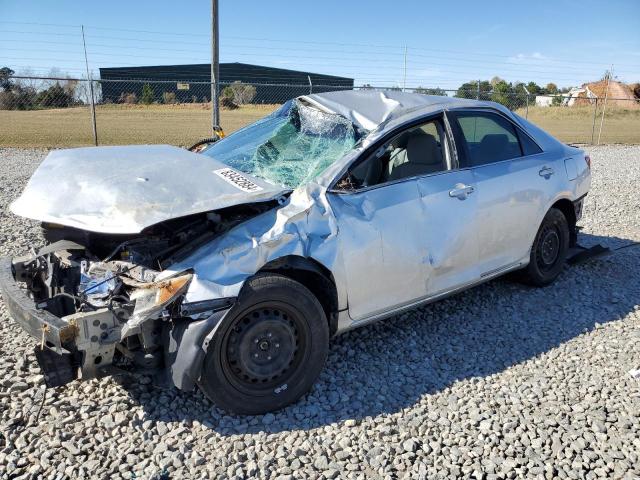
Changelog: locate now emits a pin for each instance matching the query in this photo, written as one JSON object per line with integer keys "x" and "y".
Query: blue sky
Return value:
{"x": 563, "y": 41}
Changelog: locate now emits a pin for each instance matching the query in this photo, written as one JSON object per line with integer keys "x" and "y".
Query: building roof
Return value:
{"x": 229, "y": 71}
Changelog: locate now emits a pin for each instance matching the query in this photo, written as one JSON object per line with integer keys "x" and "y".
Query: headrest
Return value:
{"x": 423, "y": 149}
{"x": 494, "y": 140}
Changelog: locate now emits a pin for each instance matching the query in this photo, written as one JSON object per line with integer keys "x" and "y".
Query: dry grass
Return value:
{"x": 185, "y": 124}
{"x": 120, "y": 124}
{"x": 574, "y": 124}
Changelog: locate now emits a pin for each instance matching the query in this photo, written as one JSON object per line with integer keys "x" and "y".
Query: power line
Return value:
{"x": 334, "y": 61}
{"x": 294, "y": 42}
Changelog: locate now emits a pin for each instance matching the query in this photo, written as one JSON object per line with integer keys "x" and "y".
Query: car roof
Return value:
{"x": 368, "y": 109}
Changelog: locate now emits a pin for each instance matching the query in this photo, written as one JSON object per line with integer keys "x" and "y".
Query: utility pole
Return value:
{"x": 93, "y": 106}
{"x": 404, "y": 75}
{"x": 215, "y": 70}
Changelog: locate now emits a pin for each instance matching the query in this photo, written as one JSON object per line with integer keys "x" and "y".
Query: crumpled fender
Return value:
{"x": 304, "y": 226}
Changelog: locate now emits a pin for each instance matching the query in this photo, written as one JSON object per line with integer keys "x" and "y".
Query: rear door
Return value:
{"x": 515, "y": 182}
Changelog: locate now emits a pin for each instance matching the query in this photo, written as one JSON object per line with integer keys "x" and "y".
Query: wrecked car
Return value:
{"x": 230, "y": 269}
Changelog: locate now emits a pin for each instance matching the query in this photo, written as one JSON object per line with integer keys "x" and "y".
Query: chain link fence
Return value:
{"x": 58, "y": 112}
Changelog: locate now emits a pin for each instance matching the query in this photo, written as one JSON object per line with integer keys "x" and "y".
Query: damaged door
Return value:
{"x": 381, "y": 229}
{"x": 409, "y": 229}
{"x": 450, "y": 208}
{"x": 449, "y": 202}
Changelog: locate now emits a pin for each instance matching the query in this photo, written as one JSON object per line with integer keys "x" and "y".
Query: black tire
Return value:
{"x": 201, "y": 143}
{"x": 549, "y": 250}
{"x": 270, "y": 348}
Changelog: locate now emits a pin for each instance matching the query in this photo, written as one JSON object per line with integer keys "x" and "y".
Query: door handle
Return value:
{"x": 461, "y": 191}
{"x": 546, "y": 172}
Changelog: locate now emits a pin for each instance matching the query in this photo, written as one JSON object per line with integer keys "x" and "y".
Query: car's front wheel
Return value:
{"x": 549, "y": 250}
{"x": 270, "y": 348}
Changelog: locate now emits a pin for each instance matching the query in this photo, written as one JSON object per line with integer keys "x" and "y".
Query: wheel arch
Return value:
{"x": 313, "y": 275}
{"x": 566, "y": 207}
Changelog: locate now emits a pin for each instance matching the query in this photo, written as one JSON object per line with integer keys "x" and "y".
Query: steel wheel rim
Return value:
{"x": 264, "y": 347}
{"x": 548, "y": 247}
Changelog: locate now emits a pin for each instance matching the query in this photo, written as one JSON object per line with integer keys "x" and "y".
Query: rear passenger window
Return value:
{"x": 489, "y": 138}
{"x": 529, "y": 147}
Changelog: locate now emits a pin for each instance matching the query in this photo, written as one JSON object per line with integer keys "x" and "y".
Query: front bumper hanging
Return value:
{"x": 50, "y": 330}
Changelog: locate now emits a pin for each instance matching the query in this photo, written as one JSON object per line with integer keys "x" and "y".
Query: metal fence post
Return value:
{"x": 93, "y": 113}
{"x": 593, "y": 126}
{"x": 215, "y": 69}
{"x": 404, "y": 73}
{"x": 478, "y": 92}
{"x": 93, "y": 104}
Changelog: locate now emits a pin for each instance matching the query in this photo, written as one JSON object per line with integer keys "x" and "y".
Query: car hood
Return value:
{"x": 126, "y": 189}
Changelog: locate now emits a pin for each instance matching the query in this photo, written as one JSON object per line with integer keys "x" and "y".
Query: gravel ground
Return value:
{"x": 502, "y": 381}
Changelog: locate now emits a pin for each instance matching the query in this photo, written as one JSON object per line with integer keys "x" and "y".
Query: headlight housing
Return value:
{"x": 153, "y": 297}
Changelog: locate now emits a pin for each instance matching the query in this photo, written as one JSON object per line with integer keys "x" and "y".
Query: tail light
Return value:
{"x": 587, "y": 159}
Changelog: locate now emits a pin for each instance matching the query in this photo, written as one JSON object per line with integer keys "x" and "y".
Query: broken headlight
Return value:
{"x": 153, "y": 297}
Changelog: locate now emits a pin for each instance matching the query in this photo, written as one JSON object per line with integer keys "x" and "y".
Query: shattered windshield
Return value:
{"x": 290, "y": 147}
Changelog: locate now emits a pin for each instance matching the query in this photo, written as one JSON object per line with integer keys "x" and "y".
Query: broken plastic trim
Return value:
{"x": 187, "y": 347}
{"x": 213, "y": 305}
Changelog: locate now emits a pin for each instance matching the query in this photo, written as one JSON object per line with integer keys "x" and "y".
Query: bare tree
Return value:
{"x": 31, "y": 83}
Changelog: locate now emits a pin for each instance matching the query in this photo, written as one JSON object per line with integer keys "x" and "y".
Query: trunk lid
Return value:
{"x": 127, "y": 189}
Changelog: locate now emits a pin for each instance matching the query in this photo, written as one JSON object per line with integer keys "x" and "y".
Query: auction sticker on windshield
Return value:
{"x": 238, "y": 180}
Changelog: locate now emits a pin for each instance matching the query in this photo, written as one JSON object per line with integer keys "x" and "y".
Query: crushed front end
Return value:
{"x": 96, "y": 306}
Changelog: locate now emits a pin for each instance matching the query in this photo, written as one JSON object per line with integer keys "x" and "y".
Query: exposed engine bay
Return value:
{"x": 105, "y": 286}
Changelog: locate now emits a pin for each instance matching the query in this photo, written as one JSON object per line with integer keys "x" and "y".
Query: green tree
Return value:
{"x": 556, "y": 101}
{"x": 431, "y": 91}
{"x": 534, "y": 88}
{"x": 5, "y": 78}
{"x": 56, "y": 96}
{"x": 518, "y": 97}
{"x": 470, "y": 90}
{"x": 502, "y": 93}
{"x": 496, "y": 80}
{"x": 551, "y": 88}
{"x": 18, "y": 98}
{"x": 148, "y": 95}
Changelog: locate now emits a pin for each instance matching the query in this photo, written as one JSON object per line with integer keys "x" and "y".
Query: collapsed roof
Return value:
{"x": 369, "y": 108}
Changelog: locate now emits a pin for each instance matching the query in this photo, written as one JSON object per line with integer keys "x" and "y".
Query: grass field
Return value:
{"x": 120, "y": 124}
{"x": 574, "y": 124}
{"x": 185, "y": 124}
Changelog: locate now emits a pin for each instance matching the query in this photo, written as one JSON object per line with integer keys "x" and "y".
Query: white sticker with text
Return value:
{"x": 238, "y": 180}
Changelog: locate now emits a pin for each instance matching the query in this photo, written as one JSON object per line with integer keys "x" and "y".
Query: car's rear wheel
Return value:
{"x": 270, "y": 348}
{"x": 549, "y": 250}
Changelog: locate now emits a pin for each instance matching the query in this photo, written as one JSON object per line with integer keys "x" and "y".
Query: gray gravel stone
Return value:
{"x": 502, "y": 381}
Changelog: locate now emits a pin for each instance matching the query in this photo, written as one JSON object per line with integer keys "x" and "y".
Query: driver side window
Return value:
{"x": 419, "y": 150}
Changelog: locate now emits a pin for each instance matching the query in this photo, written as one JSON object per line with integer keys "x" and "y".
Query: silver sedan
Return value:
{"x": 231, "y": 268}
